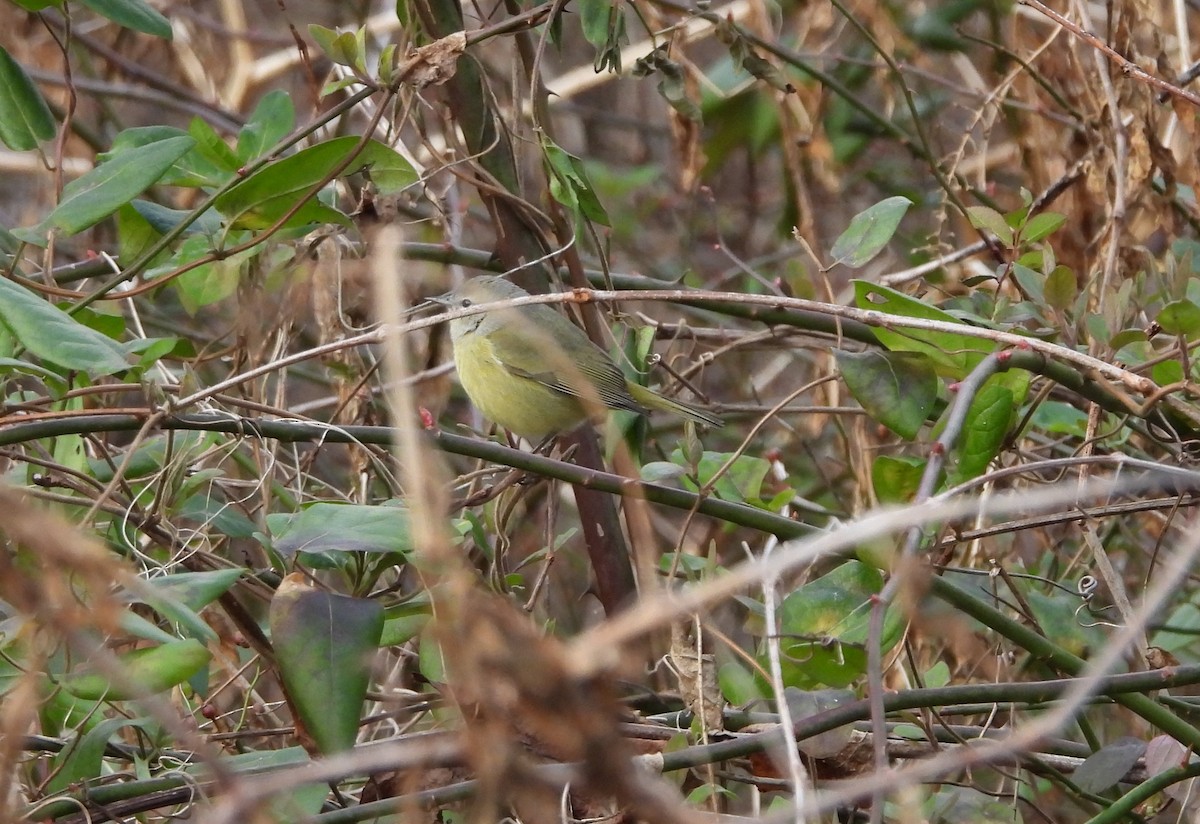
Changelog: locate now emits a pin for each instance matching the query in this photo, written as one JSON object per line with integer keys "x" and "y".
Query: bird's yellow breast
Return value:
{"x": 520, "y": 404}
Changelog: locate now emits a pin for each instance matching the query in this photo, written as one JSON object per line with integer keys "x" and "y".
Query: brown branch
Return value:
{"x": 1127, "y": 67}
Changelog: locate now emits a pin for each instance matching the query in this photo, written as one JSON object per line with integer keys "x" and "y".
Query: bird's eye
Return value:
{"x": 466, "y": 302}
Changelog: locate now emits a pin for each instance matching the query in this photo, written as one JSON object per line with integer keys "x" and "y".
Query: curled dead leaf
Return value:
{"x": 435, "y": 63}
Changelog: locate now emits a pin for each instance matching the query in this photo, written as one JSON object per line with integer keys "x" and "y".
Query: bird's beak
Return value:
{"x": 437, "y": 300}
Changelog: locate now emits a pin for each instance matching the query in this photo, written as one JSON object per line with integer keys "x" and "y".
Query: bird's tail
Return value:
{"x": 651, "y": 399}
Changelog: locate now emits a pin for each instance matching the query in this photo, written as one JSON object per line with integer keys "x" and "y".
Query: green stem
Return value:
{"x": 1058, "y": 658}
{"x": 295, "y": 432}
{"x": 1118, "y": 811}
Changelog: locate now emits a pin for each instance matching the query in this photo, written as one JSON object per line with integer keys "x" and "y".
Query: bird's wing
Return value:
{"x": 526, "y": 359}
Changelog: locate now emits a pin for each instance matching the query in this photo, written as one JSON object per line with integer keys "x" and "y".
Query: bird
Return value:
{"x": 535, "y": 373}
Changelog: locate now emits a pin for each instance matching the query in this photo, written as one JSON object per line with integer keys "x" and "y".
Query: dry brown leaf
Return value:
{"x": 697, "y": 677}
{"x": 436, "y": 63}
{"x": 513, "y": 685}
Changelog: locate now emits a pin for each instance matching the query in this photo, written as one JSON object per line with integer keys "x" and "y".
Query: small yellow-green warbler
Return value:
{"x": 535, "y": 373}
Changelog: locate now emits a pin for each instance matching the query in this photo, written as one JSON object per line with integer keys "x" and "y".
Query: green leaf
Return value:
{"x": 326, "y": 527}
{"x": 181, "y": 596}
{"x": 1104, "y": 769}
{"x": 1041, "y": 226}
{"x": 298, "y": 804}
{"x": 1180, "y": 633}
{"x": 988, "y": 420}
{"x": 324, "y": 38}
{"x": 693, "y": 567}
{"x": 151, "y": 456}
{"x": 264, "y": 197}
{"x": 129, "y": 141}
{"x": 1166, "y": 373}
{"x": 1127, "y": 336}
{"x": 673, "y": 85}
{"x": 896, "y": 479}
{"x": 340, "y": 47}
{"x": 151, "y": 350}
{"x": 742, "y": 122}
{"x": 386, "y": 168}
{"x": 144, "y": 672}
{"x": 804, "y": 704}
{"x": 745, "y": 57}
{"x": 56, "y": 337}
{"x": 931, "y": 30}
{"x": 976, "y": 280}
{"x": 742, "y": 480}
{"x": 212, "y": 161}
{"x": 272, "y": 192}
{"x": 96, "y": 195}
{"x": 163, "y": 219}
{"x": 387, "y": 64}
{"x": 825, "y": 623}
{"x": 136, "y": 235}
{"x": 272, "y": 119}
{"x": 207, "y": 283}
{"x": 1059, "y": 418}
{"x": 1097, "y": 326}
{"x": 1032, "y": 282}
{"x": 937, "y": 676}
{"x": 109, "y": 325}
{"x": 220, "y": 515}
{"x": 657, "y": 472}
{"x": 603, "y": 24}
{"x": 1016, "y": 380}
{"x": 766, "y": 71}
{"x": 325, "y": 643}
{"x": 135, "y": 626}
{"x": 1060, "y": 288}
{"x": 9, "y": 246}
{"x": 869, "y": 232}
{"x": 898, "y": 389}
{"x": 738, "y": 686}
{"x": 910, "y": 732}
{"x": 569, "y": 183}
{"x": 966, "y": 804}
{"x": 700, "y": 796}
{"x": 988, "y": 219}
{"x": 1180, "y": 317}
{"x": 430, "y": 661}
{"x": 83, "y": 758}
{"x": 62, "y": 713}
{"x": 132, "y": 14}
{"x": 594, "y": 19}
{"x": 1057, "y": 616}
{"x": 403, "y": 622}
{"x": 10, "y": 365}
{"x": 954, "y": 356}
{"x": 68, "y": 451}
{"x": 25, "y": 119}
{"x": 337, "y": 85}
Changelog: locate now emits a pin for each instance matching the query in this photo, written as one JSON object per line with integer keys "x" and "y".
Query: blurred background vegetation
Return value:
{"x": 934, "y": 264}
